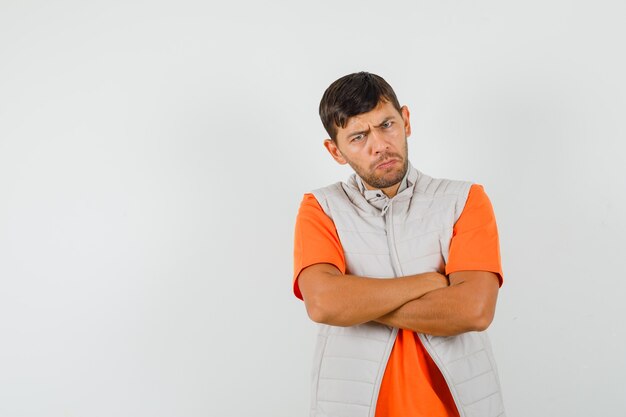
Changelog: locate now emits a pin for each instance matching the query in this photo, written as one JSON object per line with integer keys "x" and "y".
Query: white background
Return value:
{"x": 153, "y": 155}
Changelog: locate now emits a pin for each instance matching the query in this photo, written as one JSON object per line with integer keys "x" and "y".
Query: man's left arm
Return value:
{"x": 468, "y": 304}
{"x": 475, "y": 274}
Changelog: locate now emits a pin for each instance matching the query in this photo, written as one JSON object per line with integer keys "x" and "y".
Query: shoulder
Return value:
{"x": 309, "y": 207}
{"x": 477, "y": 200}
{"x": 337, "y": 197}
{"x": 448, "y": 192}
{"x": 309, "y": 202}
{"x": 332, "y": 191}
{"x": 477, "y": 209}
{"x": 441, "y": 186}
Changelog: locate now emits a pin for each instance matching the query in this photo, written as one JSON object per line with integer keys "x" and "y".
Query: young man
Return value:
{"x": 401, "y": 270}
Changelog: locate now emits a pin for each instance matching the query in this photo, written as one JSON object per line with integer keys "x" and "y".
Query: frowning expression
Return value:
{"x": 374, "y": 144}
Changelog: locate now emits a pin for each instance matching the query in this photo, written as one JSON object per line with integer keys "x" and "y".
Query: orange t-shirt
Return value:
{"x": 412, "y": 385}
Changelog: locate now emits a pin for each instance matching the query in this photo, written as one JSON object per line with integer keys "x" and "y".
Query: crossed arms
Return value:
{"x": 425, "y": 303}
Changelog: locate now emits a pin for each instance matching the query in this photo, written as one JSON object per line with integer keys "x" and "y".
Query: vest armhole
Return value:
{"x": 461, "y": 199}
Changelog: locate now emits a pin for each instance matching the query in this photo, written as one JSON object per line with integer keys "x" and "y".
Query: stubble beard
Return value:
{"x": 383, "y": 181}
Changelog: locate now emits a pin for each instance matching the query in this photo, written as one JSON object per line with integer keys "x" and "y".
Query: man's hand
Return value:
{"x": 468, "y": 304}
{"x": 346, "y": 300}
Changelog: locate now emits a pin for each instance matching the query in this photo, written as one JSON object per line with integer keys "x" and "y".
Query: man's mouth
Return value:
{"x": 386, "y": 164}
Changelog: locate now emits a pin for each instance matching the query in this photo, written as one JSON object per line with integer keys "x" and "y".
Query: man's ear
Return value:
{"x": 406, "y": 117}
{"x": 334, "y": 151}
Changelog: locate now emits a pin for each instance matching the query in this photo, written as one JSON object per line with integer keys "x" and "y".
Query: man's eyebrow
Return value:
{"x": 361, "y": 132}
{"x": 385, "y": 120}
{"x": 357, "y": 132}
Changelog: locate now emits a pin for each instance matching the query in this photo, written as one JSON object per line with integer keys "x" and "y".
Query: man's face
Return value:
{"x": 374, "y": 144}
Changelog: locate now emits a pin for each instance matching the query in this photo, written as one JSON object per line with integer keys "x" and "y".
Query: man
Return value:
{"x": 401, "y": 270}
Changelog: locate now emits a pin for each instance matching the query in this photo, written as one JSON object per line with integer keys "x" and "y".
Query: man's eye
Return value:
{"x": 357, "y": 138}
{"x": 386, "y": 125}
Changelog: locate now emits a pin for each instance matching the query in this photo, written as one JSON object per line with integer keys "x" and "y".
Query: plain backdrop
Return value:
{"x": 153, "y": 155}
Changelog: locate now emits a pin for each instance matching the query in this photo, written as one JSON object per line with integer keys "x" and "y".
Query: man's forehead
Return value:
{"x": 384, "y": 110}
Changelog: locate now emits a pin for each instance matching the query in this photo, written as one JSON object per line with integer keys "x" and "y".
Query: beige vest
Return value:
{"x": 381, "y": 237}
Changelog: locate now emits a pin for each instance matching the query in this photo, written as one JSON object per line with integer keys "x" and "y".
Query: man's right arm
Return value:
{"x": 333, "y": 298}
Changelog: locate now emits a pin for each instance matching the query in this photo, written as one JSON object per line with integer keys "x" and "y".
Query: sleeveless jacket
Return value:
{"x": 385, "y": 238}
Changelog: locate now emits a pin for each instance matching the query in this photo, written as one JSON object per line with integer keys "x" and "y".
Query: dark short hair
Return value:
{"x": 351, "y": 95}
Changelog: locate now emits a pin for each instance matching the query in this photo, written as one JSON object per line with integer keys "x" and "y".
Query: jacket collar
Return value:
{"x": 376, "y": 197}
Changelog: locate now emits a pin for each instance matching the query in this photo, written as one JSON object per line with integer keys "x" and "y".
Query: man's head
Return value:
{"x": 368, "y": 129}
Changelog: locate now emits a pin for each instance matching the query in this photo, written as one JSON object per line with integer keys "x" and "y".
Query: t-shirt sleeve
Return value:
{"x": 475, "y": 244}
{"x": 315, "y": 240}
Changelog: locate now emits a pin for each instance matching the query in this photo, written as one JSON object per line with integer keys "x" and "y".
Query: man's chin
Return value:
{"x": 384, "y": 181}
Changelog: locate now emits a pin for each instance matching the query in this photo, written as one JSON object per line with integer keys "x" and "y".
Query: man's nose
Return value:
{"x": 377, "y": 141}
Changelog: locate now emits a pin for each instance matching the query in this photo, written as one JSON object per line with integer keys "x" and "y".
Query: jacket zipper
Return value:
{"x": 398, "y": 271}
{"x": 388, "y": 213}
{"x": 395, "y": 264}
